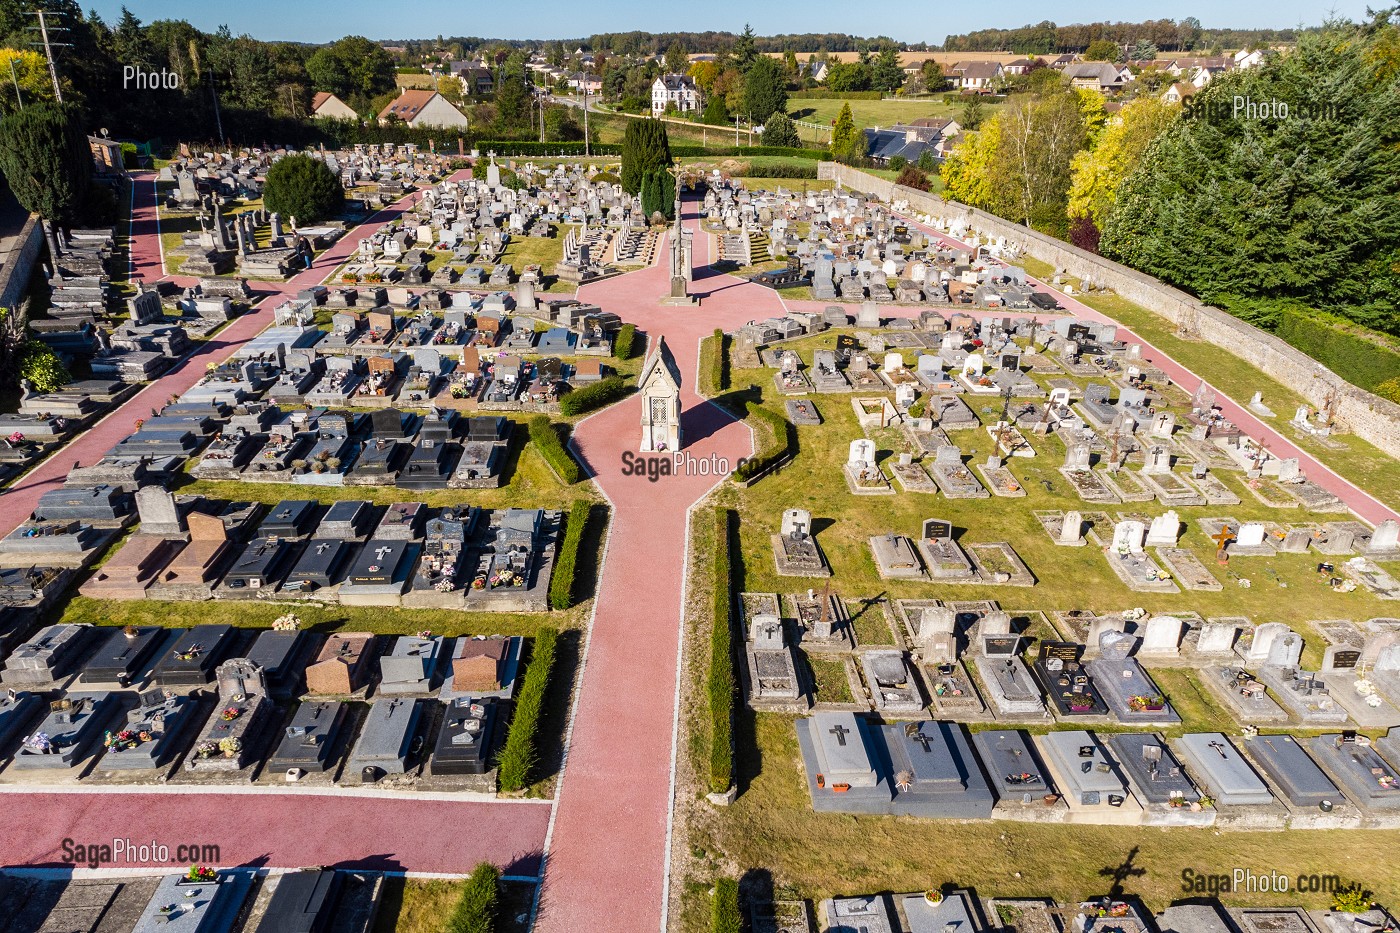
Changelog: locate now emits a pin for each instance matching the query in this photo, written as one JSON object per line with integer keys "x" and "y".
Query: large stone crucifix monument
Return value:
{"x": 681, "y": 255}
{"x": 660, "y": 384}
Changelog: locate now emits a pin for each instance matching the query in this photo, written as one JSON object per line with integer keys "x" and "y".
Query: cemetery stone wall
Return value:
{"x": 1370, "y": 417}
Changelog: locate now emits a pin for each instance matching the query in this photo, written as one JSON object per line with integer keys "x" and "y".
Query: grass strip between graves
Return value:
{"x": 777, "y": 440}
{"x": 724, "y": 915}
{"x": 520, "y": 754}
{"x": 720, "y": 686}
{"x": 593, "y": 396}
{"x": 561, "y": 585}
{"x": 551, "y": 448}
{"x": 476, "y": 909}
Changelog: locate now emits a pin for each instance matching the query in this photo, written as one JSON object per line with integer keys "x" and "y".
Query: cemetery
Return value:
{"x": 1029, "y": 447}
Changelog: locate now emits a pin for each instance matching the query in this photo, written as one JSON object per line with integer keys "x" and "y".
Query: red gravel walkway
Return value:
{"x": 281, "y": 830}
{"x": 606, "y": 865}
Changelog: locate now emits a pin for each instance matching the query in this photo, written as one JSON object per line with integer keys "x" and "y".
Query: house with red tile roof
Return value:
{"x": 422, "y": 107}
{"x": 326, "y": 104}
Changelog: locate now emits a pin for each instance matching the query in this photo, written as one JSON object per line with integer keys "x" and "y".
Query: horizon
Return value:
{"x": 307, "y": 22}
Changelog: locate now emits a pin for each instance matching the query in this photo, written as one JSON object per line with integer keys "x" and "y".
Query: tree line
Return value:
{"x": 1045, "y": 38}
{"x": 1289, "y": 211}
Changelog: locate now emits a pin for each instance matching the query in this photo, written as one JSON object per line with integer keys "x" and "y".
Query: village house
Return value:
{"x": 477, "y": 80}
{"x": 976, "y": 77}
{"x": 1177, "y": 92}
{"x": 326, "y": 104}
{"x": 1103, "y": 77}
{"x": 420, "y": 107}
{"x": 911, "y": 140}
{"x": 676, "y": 91}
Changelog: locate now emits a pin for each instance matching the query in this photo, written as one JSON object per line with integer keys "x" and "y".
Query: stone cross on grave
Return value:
{"x": 840, "y": 732}
{"x": 1219, "y": 749}
{"x": 922, "y": 739}
{"x": 381, "y": 553}
{"x": 1222, "y": 539}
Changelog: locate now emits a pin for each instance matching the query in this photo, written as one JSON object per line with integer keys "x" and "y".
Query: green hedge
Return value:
{"x": 480, "y": 902}
{"x": 779, "y": 170}
{"x": 561, "y": 584}
{"x": 720, "y": 683}
{"x": 601, "y": 393}
{"x": 724, "y": 913}
{"x": 714, "y": 373}
{"x": 1359, "y": 361}
{"x": 835, "y": 95}
{"x": 624, "y": 344}
{"x": 781, "y": 439}
{"x": 521, "y": 753}
{"x": 551, "y": 447}
{"x": 506, "y": 147}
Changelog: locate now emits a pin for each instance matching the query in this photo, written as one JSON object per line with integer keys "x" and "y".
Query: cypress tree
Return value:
{"x": 45, "y": 158}
{"x": 645, "y": 147}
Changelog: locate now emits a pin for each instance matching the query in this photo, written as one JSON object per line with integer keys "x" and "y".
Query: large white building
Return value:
{"x": 674, "y": 90}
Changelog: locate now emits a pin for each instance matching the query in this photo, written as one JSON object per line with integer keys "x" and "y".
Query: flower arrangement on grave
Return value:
{"x": 230, "y": 746}
{"x": 138, "y": 422}
{"x": 206, "y": 749}
{"x": 230, "y": 713}
{"x": 1140, "y": 703}
{"x": 130, "y": 631}
{"x": 1206, "y": 800}
{"x": 122, "y": 740}
{"x": 17, "y": 437}
{"x": 374, "y": 277}
{"x": 290, "y": 622}
{"x": 200, "y": 873}
{"x": 1081, "y": 702}
{"x": 350, "y": 278}
{"x": 479, "y": 583}
{"x": 933, "y": 896}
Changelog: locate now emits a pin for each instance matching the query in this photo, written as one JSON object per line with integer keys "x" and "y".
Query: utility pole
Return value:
{"x": 587, "y": 142}
{"x": 214, "y": 92}
{"x": 15, "y": 78}
{"x": 48, "y": 48}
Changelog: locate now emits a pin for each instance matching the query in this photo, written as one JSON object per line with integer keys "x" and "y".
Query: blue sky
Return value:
{"x": 323, "y": 20}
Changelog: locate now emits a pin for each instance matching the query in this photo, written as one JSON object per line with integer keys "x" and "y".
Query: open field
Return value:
{"x": 871, "y": 113}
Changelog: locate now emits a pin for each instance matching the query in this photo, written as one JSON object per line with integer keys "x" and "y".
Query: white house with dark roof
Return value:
{"x": 977, "y": 77}
{"x": 674, "y": 90}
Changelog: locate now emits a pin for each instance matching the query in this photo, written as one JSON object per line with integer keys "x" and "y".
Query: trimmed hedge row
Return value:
{"x": 561, "y": 584}
{"x": 713, "y": 371}
{"x": 720, "y": 683}
{"x": 601, "y": 393}
{"x": 771, "y": 450}
{"x": 724, "y": 912}
{"x": 779, "y": 170}
{"x": 479, "y": 904}
{"x": 520, "y": 754}
{"x": 835, "y": 95}
{"x": 551, "y": 447}
{"x": 1361, "y": 362}
{"x": 625, "y": 343}
{"x": 529, "y": 148}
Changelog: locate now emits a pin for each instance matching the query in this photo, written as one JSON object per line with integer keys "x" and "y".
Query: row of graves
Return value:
{"x": 350, "y": 552}
{"x": 45, "y": 421}
{"x": 441, "y": 449}
{"x": 218, "y": 704}
{"x": 950, "y": 909}
{"x": 390, "y": 347}
{"x": 474, "y": 220}
{"x": 392, "y": 170}
{"x": 203, "y": 899}
{"x": 855, "y": 247}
